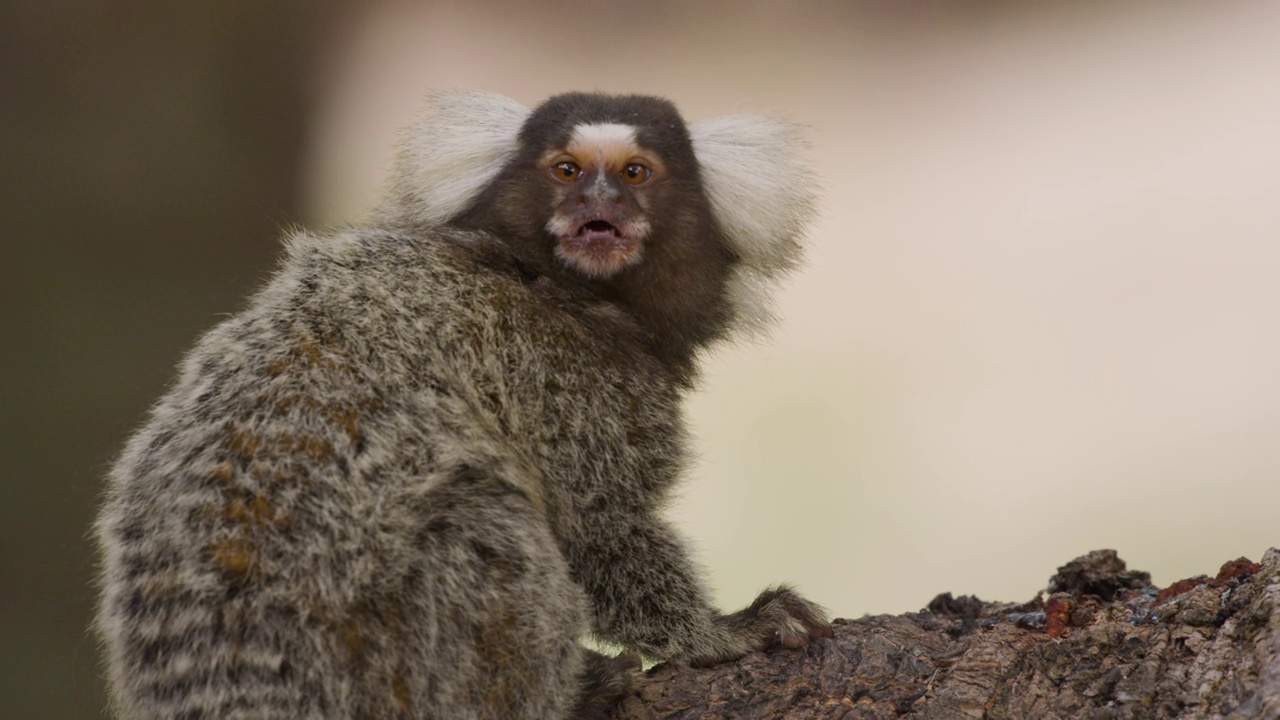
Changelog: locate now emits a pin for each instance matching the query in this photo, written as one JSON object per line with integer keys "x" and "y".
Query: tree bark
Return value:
{"x": 1103, "y": 643}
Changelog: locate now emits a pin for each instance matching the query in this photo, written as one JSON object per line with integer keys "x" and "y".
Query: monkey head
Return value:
{"x": 684, "y": 225}
{"x": 598, "y": 185}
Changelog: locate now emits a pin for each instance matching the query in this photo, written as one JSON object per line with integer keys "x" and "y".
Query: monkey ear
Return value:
{"x": 760, "y": 188}
{"x": 456, "y": 148}
{"x": 762, "y": 194}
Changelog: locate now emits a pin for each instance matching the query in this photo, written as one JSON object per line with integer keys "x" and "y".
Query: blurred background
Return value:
{"x": 1039, "y": 314}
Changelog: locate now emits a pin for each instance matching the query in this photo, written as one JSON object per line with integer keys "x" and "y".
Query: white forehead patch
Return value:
{"x": 607, "y": 138}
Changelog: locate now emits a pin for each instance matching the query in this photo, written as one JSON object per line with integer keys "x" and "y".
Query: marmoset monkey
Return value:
{"x": 430, "y": 455}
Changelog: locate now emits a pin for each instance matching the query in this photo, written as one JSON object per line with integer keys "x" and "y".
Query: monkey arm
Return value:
{"x": 644, "y": 590}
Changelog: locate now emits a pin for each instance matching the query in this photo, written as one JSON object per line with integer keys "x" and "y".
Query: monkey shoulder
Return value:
{"x": 562, "y": 374}
{"x": 553, "y": 372}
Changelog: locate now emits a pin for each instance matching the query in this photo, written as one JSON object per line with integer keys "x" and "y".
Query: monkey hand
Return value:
{"x": 777, "y": 617}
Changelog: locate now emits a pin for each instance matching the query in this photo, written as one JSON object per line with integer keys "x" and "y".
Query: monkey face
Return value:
{"x": 607, "y": 189}
{"x": 602, "y": 184}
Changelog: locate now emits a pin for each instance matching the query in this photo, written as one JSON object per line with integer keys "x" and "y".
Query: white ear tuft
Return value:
{"x": 452, "y": 152}
{"x": 762, "y": 194}
{"x": 760, "y": 189}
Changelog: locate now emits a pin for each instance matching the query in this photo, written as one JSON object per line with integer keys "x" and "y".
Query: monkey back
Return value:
{"x": 284, "y": 483}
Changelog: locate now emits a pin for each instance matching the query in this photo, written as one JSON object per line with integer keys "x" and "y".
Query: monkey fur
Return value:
{"x": 431, "y": 453}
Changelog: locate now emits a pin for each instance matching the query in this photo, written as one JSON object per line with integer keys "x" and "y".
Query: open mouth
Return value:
{"x": 599, "y": 248}
{"x": 598, "y": 236}
{"x": 598, "y": 229}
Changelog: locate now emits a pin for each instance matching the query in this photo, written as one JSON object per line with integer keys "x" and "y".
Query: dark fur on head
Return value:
{"x": 676, "y": 292}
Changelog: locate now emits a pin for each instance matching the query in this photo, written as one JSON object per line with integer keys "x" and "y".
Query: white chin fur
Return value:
{"x": 593, "y": 265}
{"x": 460, "y": 142}
{"x": 596, "y": 268}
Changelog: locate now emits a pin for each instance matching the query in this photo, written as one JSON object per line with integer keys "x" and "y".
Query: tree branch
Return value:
{"x": 1105, "y": 643}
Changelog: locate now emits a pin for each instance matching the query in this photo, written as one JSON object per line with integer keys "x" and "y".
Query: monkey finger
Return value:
{"x": 792, "y": 640}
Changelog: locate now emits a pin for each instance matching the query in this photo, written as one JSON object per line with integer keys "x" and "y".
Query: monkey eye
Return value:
{"x": 636, "y": 174}
{"x": 566, "y": 171}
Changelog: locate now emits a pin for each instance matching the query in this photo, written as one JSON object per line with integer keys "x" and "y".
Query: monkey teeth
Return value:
{"x": 599, "y": 237}
{"x": 598, "y": 228}
{"x": 598, "y": 249}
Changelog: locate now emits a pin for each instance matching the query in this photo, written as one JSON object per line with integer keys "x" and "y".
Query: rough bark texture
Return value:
{"x": 1101, "y": 643}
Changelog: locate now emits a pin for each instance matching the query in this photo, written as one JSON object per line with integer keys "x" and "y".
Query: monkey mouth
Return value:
{"x": 598, "y": 230}
{"x": 599, "y": 248}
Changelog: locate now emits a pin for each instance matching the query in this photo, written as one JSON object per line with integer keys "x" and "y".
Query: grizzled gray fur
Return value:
{"x": 430, "y": 455}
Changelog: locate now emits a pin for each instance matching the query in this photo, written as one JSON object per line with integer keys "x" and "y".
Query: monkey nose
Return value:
{"x": 596, "y": 189}
{"x": 599, "y": 199}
